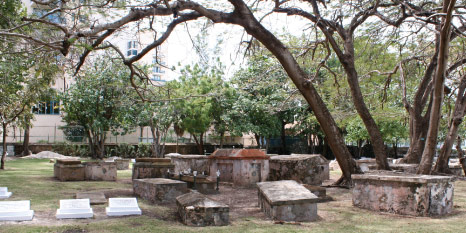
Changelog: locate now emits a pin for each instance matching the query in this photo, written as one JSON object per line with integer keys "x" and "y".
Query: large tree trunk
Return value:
{"x": 2, "y": 163}
{"x": 90, "y": 138}
{"x": 283, "y": 138}
{"x": 458, "y": 113}
{"x": 26, "y": 150}
{"x": 418, "y": 121}
{"x": 431, "y": 140}
{"x": 461, "y": 158}
{"x": 301, "y": 80}
{"x": 222, "y": 139}
{"x": 199, "y": 143}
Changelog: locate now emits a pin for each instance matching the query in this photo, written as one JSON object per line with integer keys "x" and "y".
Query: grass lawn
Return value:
{"x": 32, "y": 180}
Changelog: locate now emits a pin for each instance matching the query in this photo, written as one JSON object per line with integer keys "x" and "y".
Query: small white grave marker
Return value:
{"x": 75, "y": 208}
{"x": 4, "y": 193}
{"x": 16, "y": 211}
{"x": 122, "y": 206}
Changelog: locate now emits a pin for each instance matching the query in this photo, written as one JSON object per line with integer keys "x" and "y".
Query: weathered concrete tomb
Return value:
{"x": 242, "y": 167}
{"x": 69, "y": 170}
{"x": 305, "y": 168}
{"x": 152, "y": 168}
{"x": 159, "y": 190}
{"x": 457, "y": 169}
{"x": 195, "y": 209}
{"x": 99, "y": 171}
{"x": 122, "y": 164}
{"x": 286, "y": 200}
{"x": 405, "y": 194}
{"x": 204, "y": 184}
{"x": 199, "y": 163}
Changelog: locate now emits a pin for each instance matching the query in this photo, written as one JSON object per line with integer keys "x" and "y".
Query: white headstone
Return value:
{"x": 123, "y": 206}
{"x": 16, "y": 211}
{"x": 4, "y": 193}
{"x": 75, "y": 208}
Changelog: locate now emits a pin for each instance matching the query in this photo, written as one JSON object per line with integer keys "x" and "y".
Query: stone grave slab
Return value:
{"x": 75, "y": 208}
{"x": 123, "y": 207}
{"x": 4, "y": 193}
{"x": 106, "y": 171}
{"x": 310, "y": 169}
{"x": 96, "y": 198}
{"x": 404, "y": 194}
{"x": 159, "y": 190}
{"x": 151, "y": 168}
{"x": 16, "y": 211}
{"x": 69, "y": 170}
{"x": 195, "y": 209}
{"x": 287, "y": 200}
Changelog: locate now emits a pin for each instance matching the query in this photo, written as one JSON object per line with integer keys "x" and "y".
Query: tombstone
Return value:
{"x": 242, "y": 167}
{"x": 69, "y": 170}
{"x": 159, "y": 190}
{"x": 286, "y": 200}
{"x": 310, "y": 169}
{"x": 96, "y": 198}
{"x": 16, "y": 211}
{"x": 75, "y": 208}
{"x": 122, "y": 207}
{"x": 122, "y": 164}
{"x": 100, "y": 171}
{"x": 151, "y": 168}
{"x": 184, "y": 162}
{"x": 4, "y": 193}
{"x": 405, "y": 194}
{"x": 196, "y": 209}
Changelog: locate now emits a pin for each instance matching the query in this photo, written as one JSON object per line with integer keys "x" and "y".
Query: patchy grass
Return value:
{"x": 32, "y": 180}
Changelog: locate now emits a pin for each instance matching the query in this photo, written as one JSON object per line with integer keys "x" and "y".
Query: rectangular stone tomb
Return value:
{"x": 310, "y": 169}
{"x": 4, "y": 193}
{"x": 159, "y": 190}
{"x": 122, "y": 164}
{"x": 122, "y": 207}
{"x": 405, "y": 194}
{"x": 151, "y": 168}
{"x": 16, "y": 211}
{"x": 204, "y": 184}
{"x": 69, "y": 170}
{"x": 75, "y": 208}
{"x": 287, "y": 200}
{"x": 195, "y": 209}
{"x": 106, "y": 171}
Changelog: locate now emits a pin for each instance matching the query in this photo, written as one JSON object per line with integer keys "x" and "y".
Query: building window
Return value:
{"x": 156, "y": 78}
{"x": 158, "y": 70}
{"x": 49, "y": 108}
{"x": 132, "y": 48}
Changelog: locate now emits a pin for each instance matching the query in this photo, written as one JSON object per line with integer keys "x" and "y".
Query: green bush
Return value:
{"x": 123, "y": 150}
{"x": 143, "y": 150}
{"x": 76, "y": 150}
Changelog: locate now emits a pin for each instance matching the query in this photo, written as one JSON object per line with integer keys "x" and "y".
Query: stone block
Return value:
{"x": 122, "y": 164}
{"x": 404, "y": 194}
{"x": 204, "y": 184}
{"x": 75, "y": 208}
{"x": 286, "y": 200}
{"x": 159, "y": 190}
{"x": 100, "y": 171}
{"x": 16, "y": 211}
{"x": 310, "y": 169}
{"x": 152, "y": 168}
{"x": 198, "y": 163}
{"x": 457, "y": 169}
{"x": 195, "y": 209}
{"x": 96, "y": 198}
{"x": 4, "y": 194}
{"x": 69, "y": 172}
{"x": 123, "y": 207}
